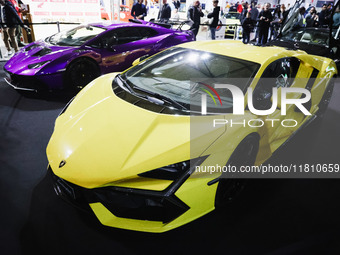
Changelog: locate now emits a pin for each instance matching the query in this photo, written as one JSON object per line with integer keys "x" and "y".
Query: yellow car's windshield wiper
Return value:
{"x": 124, "y": 85}
{"x": 161, "y": 97}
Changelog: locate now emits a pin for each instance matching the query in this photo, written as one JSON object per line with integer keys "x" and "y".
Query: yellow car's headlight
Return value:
{"x": 174, "y": 171}
{"x": 170, "y": 172}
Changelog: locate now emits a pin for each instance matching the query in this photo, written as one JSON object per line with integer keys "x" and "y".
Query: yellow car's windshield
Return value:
{"x": 183, "y": 74}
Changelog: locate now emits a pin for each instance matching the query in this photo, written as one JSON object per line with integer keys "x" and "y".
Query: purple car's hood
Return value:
{"x": 33, "y": 53}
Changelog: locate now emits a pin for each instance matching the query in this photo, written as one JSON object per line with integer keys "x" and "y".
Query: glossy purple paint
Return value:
{"x": 112, "y": 59}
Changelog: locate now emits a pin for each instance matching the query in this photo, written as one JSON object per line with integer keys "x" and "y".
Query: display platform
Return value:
{"x": 271, "y": 216}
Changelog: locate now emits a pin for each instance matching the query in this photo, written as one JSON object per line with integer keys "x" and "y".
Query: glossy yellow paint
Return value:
{"x": 124, "y": 133}
{"x": 106, "y": 141}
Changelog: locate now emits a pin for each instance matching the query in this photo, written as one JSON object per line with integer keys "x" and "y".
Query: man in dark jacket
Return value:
{"x": 243, "y": 15}
{"x": 214, "y": 15}
{"x": 138, "y": 10}
{"x": 194, "y": 14}
{"x": 9, "y": 20}
{"x": 324, "y": 16}
{"x": 247, "y": 25}
{"x": 165, "y": 13}
{"x": 264, "y": 19}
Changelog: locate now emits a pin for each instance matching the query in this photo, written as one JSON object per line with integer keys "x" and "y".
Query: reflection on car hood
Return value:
{"x": 104, "y": 139}
{"x": 36, "y": 52}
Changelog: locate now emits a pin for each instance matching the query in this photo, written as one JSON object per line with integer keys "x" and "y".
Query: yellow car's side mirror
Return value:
{"x": 138, "y": 60}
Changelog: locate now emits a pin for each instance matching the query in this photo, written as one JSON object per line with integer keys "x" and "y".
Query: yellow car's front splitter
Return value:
{"x": 144, "y": 210}
{"x": 195, "y": 193}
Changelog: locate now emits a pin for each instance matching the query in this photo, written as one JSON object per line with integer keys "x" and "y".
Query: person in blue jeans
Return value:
{"x": 194, "y": 14}
{"x": 215, "y": 16}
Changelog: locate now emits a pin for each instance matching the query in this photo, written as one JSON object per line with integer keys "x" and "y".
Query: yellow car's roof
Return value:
{"x": 237, "y": 49}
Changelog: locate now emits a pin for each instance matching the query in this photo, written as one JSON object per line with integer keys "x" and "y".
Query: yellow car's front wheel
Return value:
{"x": 244, "y": 155}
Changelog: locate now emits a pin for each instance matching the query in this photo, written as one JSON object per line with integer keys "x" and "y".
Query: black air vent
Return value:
{"x": 31, "y": 47}
{"x": 42, "y": 52}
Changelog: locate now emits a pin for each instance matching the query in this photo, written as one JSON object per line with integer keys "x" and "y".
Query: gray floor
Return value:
{"x": 270, "y": 217}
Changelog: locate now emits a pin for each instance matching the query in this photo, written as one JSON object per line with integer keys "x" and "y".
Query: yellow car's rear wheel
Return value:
{"x": 229, "y": 187}
{"x": 323, "y": 105}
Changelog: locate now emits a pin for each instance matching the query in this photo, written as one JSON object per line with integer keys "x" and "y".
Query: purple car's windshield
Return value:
{"x": 76, "y": 36}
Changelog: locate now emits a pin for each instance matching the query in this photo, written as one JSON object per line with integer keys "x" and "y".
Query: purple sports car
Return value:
{"x": 71, "y": 59}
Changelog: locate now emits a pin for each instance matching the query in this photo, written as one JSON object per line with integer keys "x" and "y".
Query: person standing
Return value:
{"x": 336, "y": 17}
{"x": 284, "y": 13}
{"x": 247, "y": 25}
{"x": 254, "y": 13}
{"x": 176, "y": 4}
{"x": 232, "y": 8}
{"x": 240, "y": 7}
{"x": 194, "y": 14}
{"x": 323, "y": 16}
{"x": 10, "y": 19}
{"x": 264, "y": 19}
{"x": 165, "y": 13}
{"x": 276, "y": 23}
{"x": 300, "y": 19}
{"x": 215, "y": 16}
{"x": 312, "y": 18}
{"x": 243, "y": 15}
{"x": 227, "y": 7}
{"x": 138, "y": 10}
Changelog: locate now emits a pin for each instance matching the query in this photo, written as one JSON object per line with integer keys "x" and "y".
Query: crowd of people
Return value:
{"x": 263, "y": 21}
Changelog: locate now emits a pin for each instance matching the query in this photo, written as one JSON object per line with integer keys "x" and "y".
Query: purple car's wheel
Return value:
{"x": 228, "y": 187}
{"x": 80, "y": 72}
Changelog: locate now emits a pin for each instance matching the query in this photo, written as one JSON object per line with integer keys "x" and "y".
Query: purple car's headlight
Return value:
{"x": 37, "y": 65}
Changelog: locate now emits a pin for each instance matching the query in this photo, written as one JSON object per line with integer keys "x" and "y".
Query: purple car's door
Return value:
{"x": 121, "y": 46}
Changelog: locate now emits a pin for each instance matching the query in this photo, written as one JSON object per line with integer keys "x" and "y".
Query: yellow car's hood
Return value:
{"x": 103, "y": 138}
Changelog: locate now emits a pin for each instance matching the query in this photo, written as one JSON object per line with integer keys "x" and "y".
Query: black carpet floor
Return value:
{"x": 273, "y": 216}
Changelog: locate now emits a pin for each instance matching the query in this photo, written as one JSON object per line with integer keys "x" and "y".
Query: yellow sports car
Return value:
{"x": 233, "y": 24}
{"x": 134, "y": 148}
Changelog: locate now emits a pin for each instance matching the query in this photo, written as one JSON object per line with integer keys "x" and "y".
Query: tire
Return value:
{"x": 244, "y": 154}
{"x": 81, "y": 72}
{"x": 326, "y": 98}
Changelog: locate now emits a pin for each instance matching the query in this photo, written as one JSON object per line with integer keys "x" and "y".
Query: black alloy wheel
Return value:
{"x": 81, "y": 72}
{"x": 244, "y": 155}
